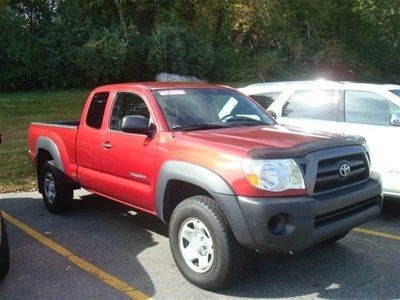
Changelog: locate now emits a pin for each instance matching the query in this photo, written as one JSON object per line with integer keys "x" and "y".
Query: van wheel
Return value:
{"x": 4, "y": 251}
{"x": 57, "y": 194}
{"x": 203, "y": 245}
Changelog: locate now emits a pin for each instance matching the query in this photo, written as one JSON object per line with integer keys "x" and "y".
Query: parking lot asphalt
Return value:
{"x": 101, "y": 249}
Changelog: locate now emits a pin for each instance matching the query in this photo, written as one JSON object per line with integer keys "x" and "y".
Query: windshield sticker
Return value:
{"x": 171, "y": 92}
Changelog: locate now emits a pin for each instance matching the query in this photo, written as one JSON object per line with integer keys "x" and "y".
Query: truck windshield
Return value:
{"x": 200, "y": 109}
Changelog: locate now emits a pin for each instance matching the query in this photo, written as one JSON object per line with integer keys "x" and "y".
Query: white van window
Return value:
{"x": 396, "y": 92}
{"x": 310, "y": 104}
{"x": 266, "y": 99}
{"x": 368, "y": 108}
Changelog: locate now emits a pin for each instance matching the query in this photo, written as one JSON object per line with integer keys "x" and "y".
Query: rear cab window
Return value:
{"x": 96, "y": 110}
{"x": 311, "y": 104}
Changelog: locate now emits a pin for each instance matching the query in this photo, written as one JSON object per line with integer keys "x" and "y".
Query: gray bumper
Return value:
{"x": 309, "y": 220}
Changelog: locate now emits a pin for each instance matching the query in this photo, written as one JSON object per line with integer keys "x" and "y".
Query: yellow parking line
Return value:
{"x": 377, "y": 233}
{"x": 112, "y": 281}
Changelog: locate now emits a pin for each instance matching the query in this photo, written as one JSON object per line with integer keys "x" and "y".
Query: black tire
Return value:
{"x": 4, "y": 251}
{"x": 61, "y": 200}
{"x": 228, "y": 256}
{"x": 335, "y": 238}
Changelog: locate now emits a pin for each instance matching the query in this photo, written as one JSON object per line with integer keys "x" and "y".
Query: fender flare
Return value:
{"x": 215, "y": 185}
{"x": 47, "y": 144}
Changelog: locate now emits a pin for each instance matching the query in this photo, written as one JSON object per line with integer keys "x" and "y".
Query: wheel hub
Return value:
{"x": 200, "y": 244}
{"x": 196, "y": 245}
{"x": 49, "y": 187}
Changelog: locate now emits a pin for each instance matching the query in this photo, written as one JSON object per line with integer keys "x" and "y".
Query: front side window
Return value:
{"x": 95, "y": 114}
{"x": 127, "y": 104}
{"x": 266, "y": 99}
{"x": 368, "y": 108}
{"x": 310, "y": 104}
{"x": 191, "y": 109}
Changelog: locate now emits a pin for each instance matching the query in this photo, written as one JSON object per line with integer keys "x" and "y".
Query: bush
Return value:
{"x": 103, "y": 57}
{"x": 61, "y": 46}
{"x": 176, "y": 50}
{"x": 18, "y": 53}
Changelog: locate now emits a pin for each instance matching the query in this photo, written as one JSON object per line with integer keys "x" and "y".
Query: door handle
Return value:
{"x": 107, "y": 145}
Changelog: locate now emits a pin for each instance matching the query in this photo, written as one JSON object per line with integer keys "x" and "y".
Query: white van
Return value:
{"x": 369, "y": 110}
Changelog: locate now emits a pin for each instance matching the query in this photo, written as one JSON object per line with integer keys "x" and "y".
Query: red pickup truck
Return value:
{"x": 212, "y": 164}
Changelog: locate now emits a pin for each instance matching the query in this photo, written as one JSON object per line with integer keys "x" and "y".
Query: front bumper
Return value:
{"x": 309, "y": 219}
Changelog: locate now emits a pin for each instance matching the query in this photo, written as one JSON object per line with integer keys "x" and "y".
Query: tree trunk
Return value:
{"x": 121, "y": 19}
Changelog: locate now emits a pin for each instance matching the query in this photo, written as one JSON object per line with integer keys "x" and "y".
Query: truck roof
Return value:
{"x": 162, "y": 85}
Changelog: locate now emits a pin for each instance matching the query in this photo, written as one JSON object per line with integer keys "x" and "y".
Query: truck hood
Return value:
{"x": 276, "y": 141}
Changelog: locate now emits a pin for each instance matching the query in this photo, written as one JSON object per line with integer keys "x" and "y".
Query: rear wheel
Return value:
{"x": 57, "y": 193}
{"x": 203, "y": 245}
{"x": 4, "y": 251}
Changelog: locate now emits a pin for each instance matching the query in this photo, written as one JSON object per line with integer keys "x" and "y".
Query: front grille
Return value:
{"x": 329, "y": 178}
{"x": 344, "y": 212}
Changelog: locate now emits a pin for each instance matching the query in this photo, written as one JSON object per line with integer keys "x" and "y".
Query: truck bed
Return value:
{"x": 62, "y": 133}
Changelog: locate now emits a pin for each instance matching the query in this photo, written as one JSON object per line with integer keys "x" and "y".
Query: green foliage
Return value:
{"x": 176, "y": 50}
{"x": 61, "y": 46}
{"x": 102, "y": 58}
{"x": 60, "y": 43}
{"x": 18, "y": 51}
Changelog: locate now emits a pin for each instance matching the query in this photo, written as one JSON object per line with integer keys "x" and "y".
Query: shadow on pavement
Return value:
{"x": 356, "y": 267}
{"x": 338, "y": 270}
{"x": 333, "y": 272}
{"x": 138, "y": 218}
{"x": 97, "y": 230}
{"x": 391, "y": 208}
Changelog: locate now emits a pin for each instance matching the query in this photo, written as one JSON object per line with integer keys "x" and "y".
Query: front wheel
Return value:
{"x": 203, "y": 245}
{"x": 57, "y": 193}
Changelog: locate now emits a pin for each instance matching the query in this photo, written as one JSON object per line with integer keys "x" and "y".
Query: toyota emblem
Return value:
{"x": 344, "y": 170}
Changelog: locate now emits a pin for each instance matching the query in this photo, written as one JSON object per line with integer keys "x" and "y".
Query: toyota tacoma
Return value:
{"x": 214, "y": 166}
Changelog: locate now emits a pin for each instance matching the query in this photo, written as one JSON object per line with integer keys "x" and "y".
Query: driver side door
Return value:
{"x": 128, "y": 159}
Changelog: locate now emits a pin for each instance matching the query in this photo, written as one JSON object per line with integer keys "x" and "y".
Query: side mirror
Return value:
{"x": 138, "y": 124}
{"x": 272, "y": 114}
{"x": 395, "y": 120}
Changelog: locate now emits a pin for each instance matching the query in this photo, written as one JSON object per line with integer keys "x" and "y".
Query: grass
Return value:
{"x": 17, "y": 111}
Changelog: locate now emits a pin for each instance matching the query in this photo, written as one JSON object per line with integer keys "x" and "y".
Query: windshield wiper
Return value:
{"x": 197, "y": 126}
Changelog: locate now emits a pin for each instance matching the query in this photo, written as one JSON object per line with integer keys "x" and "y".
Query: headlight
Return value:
{"x": 275, "y": 175}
